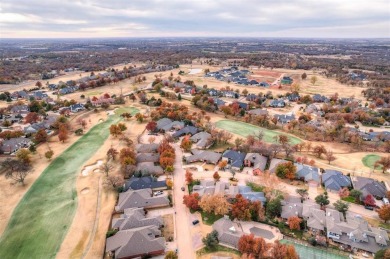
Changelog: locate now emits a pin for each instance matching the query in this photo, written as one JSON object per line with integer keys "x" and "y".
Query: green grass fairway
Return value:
{"x": 131, "y": 110}
{"x": 370, "y": 160}
{"x": 245, "y": 129}
{"x": 42, "y": 218}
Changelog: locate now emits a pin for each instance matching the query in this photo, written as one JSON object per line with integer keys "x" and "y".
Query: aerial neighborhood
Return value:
{"x": 245, "y": 163}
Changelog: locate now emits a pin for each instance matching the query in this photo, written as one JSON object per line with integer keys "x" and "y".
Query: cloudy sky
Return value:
{"x": 160, "y": 18}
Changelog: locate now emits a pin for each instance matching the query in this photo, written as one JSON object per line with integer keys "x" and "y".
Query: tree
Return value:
{"x": 382, "y": 254}
{"x": 171, "y": 255}
{"x": 302, "y": 192}
{"x": 384, "y": 212}
{"x": 384, "y": 162}
{"x": 63, "y": 133}
{"x": 216, "y": 176}
{"x": 245, "y": 92}
{"x": 18, "y": 171}
{"x": 216, "y": 204}
{"x": 24, "y": 155}
{"x": 241, "y": 208}
{"x": 189, "y": 178}
{"x": 49, "y": 154}
{"x": 40, "y": 136}
{"x": 274, "y": 208}
{"x": 344, "y": 192}
{"x": 186, "y": 143}
{"x": 139, "y": 117}
{"x": 227, "y": 110}
{"x": 329, "y": 156}
{"x": 211, "y": 240}
{"x": 115, "y": 130}
{"x": 355, "y": 193}
{"x": 112, "y": 153}
{"x": 304, "y": 76}
{"x": 319, "y": 150}
{"x": 341, "y": 206}
{"x": 31, "y": 117}
{"x": 114, "y": 181}
{"x": 252, "y": 246}
{"x": 238, "y": 142}
{"x": 313, "y": 80}
{"x": 151, "y": 126}
{"x": 192, "y": 201}
{"x": 369, "y": 200}
{"x": 38, "y": 84}
{"x": 106, "y": 167}
{"x": 294, "y": 223}
{"x": 282, "y": 251}
{"x": 127, "y": 156}
{"x": 286, "y": 170}
{"x": 222, "y": 164}
{"x": 322, "y": 200}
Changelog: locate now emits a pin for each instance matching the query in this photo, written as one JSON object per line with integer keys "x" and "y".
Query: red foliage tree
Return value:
{"x": 40, "y": 136}
{"x": 31, "y": 117}
{"x": 294, "y": 223}
{"x": 189, "y": 178}
{"x": 241, "y": 208}
{"x": 192, "y": 201}
{"x": 63, "y": 133}
{"x": 252, "y": 246}
{"x": 151, "y": 126}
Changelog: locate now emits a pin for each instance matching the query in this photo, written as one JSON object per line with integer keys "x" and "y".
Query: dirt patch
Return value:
{"x": 222, "y": 254}
{"x": 168, "y": 230}
{"x": 85, "y": 191}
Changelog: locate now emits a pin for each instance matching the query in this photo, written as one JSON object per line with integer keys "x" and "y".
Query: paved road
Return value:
{"x": 182, "y": 219}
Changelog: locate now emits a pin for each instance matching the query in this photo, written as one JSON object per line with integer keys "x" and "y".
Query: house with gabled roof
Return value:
{"x": 201, "y": 139}
{"x": 135, "y": 218}
{"x": 166, "y": 124}
{"x": 9, "y": 146}
{"x": 76, "y": 107}
{"x": 136, "y": 243}
{"x": 284, "y": 118}
{"x": 309, "y": 174}
{"x": 234, "y": 158}
{"x": 229, "y": 233}
{"x": 206, "y": 156}
{"x": 187, "y": 130}
{"x": 291, "y": 207}
{"x": 274, "y": 164}
{"x": 147, "y": 148}
{"x": 258, "y": 112}
{"x": 249, "y": 194}
{"x": 149, "y": 168}
{"x": 334, "y": 180}
{"x": 278, "y": 103}
{"x": 315, "y": 217}
{"x": 140, "y": 199}
{"x": 256, "y": 161}
{"x": 369, "y": 186}
{"x": 147, "y": 157}
{"x": 146, "y": 182}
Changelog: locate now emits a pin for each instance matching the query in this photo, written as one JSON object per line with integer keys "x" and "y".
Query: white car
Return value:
{"x": 158, "y": 193}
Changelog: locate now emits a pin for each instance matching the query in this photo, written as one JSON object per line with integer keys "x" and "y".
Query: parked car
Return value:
{"x": 369, "y": 208}
{"x": 385, "y": 201}
{"x": 195, "y": 222}
{"x": 183, "y": 189}
{"x": 158, "y": 193}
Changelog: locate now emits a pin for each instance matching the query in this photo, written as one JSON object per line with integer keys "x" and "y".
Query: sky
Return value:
{"x": 197, "y": 18}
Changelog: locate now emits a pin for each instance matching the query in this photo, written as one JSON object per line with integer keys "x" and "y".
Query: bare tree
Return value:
{"x": 17, "y": 170}
{"x": 106, "y": 167}
{"x": 113, "y": 181}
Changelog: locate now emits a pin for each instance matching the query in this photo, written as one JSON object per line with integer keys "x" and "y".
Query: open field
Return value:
{"x": 369, "y": 160}
{"x": 245, "y": 129}
{"x": 42, "y": 218}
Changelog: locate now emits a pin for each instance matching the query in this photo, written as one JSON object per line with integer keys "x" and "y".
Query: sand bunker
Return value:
{"x": 92, "y": 168}
{"x": 84, "y": 191}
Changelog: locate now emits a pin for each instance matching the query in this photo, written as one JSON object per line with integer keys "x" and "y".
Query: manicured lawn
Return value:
{"x": 370, "y": 160}
{"x": 42, "y": 218}
{"x": 131, "y": 110}
{"x": 218, "y": 248}
{"x": 246, "y": 129}
{"x": 209, "y": 218}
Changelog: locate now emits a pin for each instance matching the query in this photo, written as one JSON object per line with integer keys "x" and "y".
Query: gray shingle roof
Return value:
{"x": 227, "y": 233}
{"x": 203, "y": 155}
{"x": 135, "y": 183}
{"x": 184, "y": 131}
{"x": 309, "y": 173}
{"x": 370, "y": 186}
{"x": 140, "y": 199}
{"x": 335, "y": 180}
{"x": 201, "y": 139}
{"x": 236, "y": 159}
{"x": 147, "y": 157}
{"x": 135, "y": 218}
{"x": 258, "y": 161}
{"x": 147, "y": 148}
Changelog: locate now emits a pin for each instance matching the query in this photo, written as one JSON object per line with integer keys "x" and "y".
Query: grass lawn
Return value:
{"x": 94, "y": 93}
{"x": 131, "y": 110}
{"x": 370, "y": 160}
{"x": 246, "y": 129}
{"x": 209, "y": 218}
{"x": 42, "y": 218}
{"x": 218, "y": 248}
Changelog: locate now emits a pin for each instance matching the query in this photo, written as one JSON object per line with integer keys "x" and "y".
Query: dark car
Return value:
{"x": 183, "y": 189}
{"x": 369, "y": 208}
{"x": 195, "y": 222}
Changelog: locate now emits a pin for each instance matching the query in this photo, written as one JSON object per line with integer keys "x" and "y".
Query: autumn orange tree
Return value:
{"x": 286, "y": 170}
{"x": 186, "y": 143}
{"x": 127, "y": 156}
{"x": 216, "y": 176}
{"x": 222, "y": 164}
{"x": 115, "y": 131}
{"x": 63, "y": 133}
{"x": 252, "y": 246}
{"x": 31, "y": 117}
{"x": 384, "y": 212}
{"x": 282, "y": 251}
{"x": 192, "y": 201}
{"x": 189, "y": 178}
{"x": 241, "y": 208}
{"x": 294, "y": 223}
{"x": 40, "y": 136}
{"x": 216, "y": 204}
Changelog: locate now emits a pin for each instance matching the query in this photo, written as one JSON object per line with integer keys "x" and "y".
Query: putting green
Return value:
{"x": 369, "y": 161}
{"x": 42, "y": 218}
{"x": 246, "y": 129}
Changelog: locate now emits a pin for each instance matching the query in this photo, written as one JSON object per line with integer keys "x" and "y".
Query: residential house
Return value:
{"x": 166, "y": 124}
{"x": 335, "y": 180}
{"x": 320, "y": 98}
{"x": 274, "y": 164}
{"x": 149, "y": 168}
{"x": 264, "y": 84}
{"x": 187, "y": 130}
{"x": 147, "y": 148}
{"x": 9, "y": 146}
{"x": 251, "y": 97}
{"x": 229, "y": 233}
{"x": 76, "y": 107}
{"x": 147, "y": 157}
{"x": 136, "y": 243}
{"x": 355, "y": 232}
{"x": 209, "y": 157}
{"x": 206, "y": 187}
{"x": 294, "y": 97}
{"x": 308, "y": 173}
{"x": 251, "y": 195}
{"x": 20, "y": 109}
{"x": 369, "y": 186}
{"x": 292, "y": 207}
{"x": 135, "y": 218}
{"x": 314, "y": 216}
{"x": 201, "y": 139}
{"x": 244, "y": 106}
{"x": 284, "y": 118}
{"x": 218, "y": 102}
{"x": 140, "y": 199}
{"x": 256, "y": 161}
{"x": 234, "y": 158}
{"x": 146, "y": 182}
{"x": 277, "y": 103}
